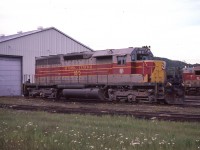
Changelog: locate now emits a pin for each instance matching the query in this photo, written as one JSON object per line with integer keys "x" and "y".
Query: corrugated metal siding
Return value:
{"x": 48, "y": 42}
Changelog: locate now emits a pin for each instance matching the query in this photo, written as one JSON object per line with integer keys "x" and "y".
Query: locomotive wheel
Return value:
{"x": 105, "y": 94}
{"x": 173, "y": 99}
{"x": 169, "y": 98}
{"x": 117, "y": 99}
{"x": 58, "y": 94}
{"x": 131, "y": 98}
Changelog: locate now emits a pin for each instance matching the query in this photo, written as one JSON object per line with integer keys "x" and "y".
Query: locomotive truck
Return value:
{"x": 129, "y": 74}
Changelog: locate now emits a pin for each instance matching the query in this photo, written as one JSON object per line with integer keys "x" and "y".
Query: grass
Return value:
{"x": 40, "y": 130}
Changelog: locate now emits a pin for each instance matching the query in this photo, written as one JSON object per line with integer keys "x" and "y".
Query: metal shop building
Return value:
{"x": 18, "y": 52}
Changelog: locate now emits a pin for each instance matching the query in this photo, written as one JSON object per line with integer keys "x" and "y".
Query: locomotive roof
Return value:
{"x": 197, "y": 68}
{"x": 50, "y": 56}
{"x": 111, "y": 52}
{"x": 81, "y": 55}
{"x": 191, "y": 69}
{"x": 84, "y": 54}
{"x": 99, "y": 53}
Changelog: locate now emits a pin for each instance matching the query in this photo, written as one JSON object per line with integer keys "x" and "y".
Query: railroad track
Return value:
{"x": 160, "y": 115}
{"x": 185, "y": 103}
{"x": 188, "y": 102}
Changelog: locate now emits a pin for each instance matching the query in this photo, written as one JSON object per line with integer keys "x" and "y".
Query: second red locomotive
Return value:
{"x": 191, "y": 80}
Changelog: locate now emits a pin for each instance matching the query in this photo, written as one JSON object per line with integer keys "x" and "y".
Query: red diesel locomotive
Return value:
{"x": 128, "y": 74}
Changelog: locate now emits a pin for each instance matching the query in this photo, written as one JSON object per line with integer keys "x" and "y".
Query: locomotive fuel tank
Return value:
{"x": 77, "y": 86}
{"x": 88, "y": 93}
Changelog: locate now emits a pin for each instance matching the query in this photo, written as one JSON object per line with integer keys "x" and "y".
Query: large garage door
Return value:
{"x": 10, "y": 76}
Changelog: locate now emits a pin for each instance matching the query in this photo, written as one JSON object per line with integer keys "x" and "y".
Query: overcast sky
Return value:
{"x": 170, "y": 27}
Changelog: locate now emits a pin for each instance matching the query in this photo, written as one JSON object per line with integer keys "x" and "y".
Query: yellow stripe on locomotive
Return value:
{"x": 159, "y": 73}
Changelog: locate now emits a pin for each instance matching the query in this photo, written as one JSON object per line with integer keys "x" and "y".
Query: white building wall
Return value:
{"x": 47, "y": 42}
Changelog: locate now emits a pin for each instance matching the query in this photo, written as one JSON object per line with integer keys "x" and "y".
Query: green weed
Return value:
{"x": 41, "y": 130}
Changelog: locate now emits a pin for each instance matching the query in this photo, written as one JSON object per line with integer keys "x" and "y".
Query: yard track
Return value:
{"x": 189, "y": 102}
{"x": 160, "y": 115}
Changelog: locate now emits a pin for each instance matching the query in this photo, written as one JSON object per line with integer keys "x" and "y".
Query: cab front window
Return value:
{"x": 144, "y": 55}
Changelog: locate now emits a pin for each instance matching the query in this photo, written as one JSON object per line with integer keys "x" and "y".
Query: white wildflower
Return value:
{"x": 153, "y": 138}
{"x": 137, "y": 139}
{"x": 30, "y": 123}
{"x": 4, "y": 122}
{"x": 135, "y": 143}
{"x": 91, "y": 147}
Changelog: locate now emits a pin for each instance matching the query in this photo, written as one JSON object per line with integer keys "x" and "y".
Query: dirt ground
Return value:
{"x": 147, "y": 111}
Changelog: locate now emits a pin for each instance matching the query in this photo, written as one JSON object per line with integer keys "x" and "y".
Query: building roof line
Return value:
{"x": 23, "y": 34}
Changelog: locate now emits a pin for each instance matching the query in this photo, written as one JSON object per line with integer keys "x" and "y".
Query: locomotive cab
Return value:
{"x": 135, "y": 67}
{"x": 142, "y": 63}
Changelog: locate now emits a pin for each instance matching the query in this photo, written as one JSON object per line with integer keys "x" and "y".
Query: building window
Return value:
{"x": 121, "y": 60}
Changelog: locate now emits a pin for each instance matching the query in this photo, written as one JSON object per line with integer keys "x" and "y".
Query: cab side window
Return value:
{"x": 121, "y": 60}
{"x": 197, "y": 72}
{"x": 133, "y": 57}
